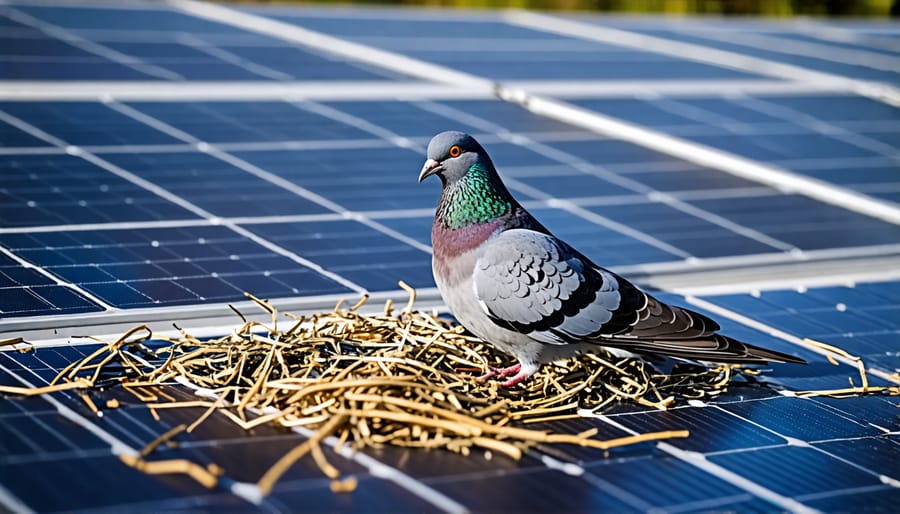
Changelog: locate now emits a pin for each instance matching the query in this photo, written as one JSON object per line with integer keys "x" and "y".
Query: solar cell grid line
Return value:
{"x": 589, "y": 168}
{"x": 319, "y": 41}
{"x": 800, "y": 121}
{"x": 806, "y": 444}
{"x": 594, "y": 32}
{"x": 402, "y": 142}
{"x": 58, "y": 281}
{"x": 116, "y": 445}
{"x": 841, "y": 35}
{"x": 150, "y": 70}
{"x": 707, "y": 156}
{"x": 249, "y": 491}
{"x": 817, "y": 125}
{"x": 224, "y": 55}
{"x": 177, "y": 200}
{"x": 213, "y": 150}
{"x": 823, "y": 51}
{"x": 742, "y": 45}
{"x": 780, "y": 334}
{"x": 699, "y": 461}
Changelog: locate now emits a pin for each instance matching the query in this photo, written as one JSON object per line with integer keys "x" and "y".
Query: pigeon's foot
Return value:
{"x": 502, "y": 372}
{"x": 518, "y": 377}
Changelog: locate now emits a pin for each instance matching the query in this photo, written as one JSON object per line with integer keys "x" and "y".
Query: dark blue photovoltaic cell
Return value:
{"x": 696, "y": 236}
{"x": 303, "y": 64}
{"x": 840, "y": 107}
{"x": 37, "y": 44}
{"x": 34, "y": 56}
{"x": 513, "y": 117}
{"x": 367, "y": 179}
{"x": 62, "y": 189}
{"x": 26, "y": 292}
{"x": 43, "y": 300}
{"x": 855, "y": 150}
{"x": 877, "y": 411}
{"x": 412, "y": 119}
{"x": 879, "y": 454}
{"x": 133, "y": 17}
{"x": 11, "y": 136}
{"x": 140, "y": 268}
{"x": 406, "y": 24}
{"x": 795, "y": 471}
{"x": 189, "y": 63}
{"x": 804, "y": 222}
{"x": 877, "y": 500}
{"x": 807, "y": 421}
{"x": 71, "y": 69}
{"x": 536, "y": 65}
{"x": 665, "y": 482}
{"x": 772, "y": 53}
{"x": 86, "y": 123}
{"x": 797, "y": 146}
{"x": 214, "y": 185}
{"x": 531, "y": 491}
{"x": 861, "y": 320}
{"x": 693, "y": 178}
{"x": 353, "y": 250}
{"x": 574, "y": 186}
{"x": 711, "y": 429}
{"x": 223, "y": 122}
{"x": 609, "y": 151}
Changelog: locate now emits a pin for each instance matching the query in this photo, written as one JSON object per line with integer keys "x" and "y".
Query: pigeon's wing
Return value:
{"x": 532, "y": 283}
{"x": 535, "y": 284}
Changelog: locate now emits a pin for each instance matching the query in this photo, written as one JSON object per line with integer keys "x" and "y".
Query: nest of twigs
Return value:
{"x": 368, "y": 380}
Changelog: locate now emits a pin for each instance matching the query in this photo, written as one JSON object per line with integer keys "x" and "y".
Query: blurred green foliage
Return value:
{"x": 727, "y": 7}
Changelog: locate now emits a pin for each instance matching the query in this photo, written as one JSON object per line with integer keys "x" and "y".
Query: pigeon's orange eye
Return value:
{"x": 455, "y": 151}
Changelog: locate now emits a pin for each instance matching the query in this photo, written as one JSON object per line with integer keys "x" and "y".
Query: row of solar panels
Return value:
{"x": 124, "y": 204}
{"x": 149, "y": 42}
{"x": 49, "y": 186}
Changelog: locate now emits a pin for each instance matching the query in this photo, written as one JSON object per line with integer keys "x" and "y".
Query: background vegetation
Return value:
{"x": 727, "y": 7}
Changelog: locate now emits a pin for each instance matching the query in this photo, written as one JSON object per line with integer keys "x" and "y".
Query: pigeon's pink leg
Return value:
{"x": 500, "y": 372}
{"x": 518, "y": 377}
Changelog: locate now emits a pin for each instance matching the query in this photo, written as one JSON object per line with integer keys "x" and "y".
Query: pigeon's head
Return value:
{"x": 451, "y": 155}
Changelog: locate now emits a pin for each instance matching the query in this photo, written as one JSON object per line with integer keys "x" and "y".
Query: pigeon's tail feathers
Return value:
{"x": 771, "y": 355}
{"x": 715, "y": 348}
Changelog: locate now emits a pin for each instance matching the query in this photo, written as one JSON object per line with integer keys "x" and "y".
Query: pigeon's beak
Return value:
{"x": 430, "y": 168}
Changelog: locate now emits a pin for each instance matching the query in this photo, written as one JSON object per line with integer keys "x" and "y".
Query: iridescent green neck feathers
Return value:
{"x": 477, "y": 197}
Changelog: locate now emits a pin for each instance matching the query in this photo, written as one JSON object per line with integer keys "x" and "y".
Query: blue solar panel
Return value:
{"x": 151, "y": 43}
{"x": 26, "y": 292}
{"x": 309, "y": 199}
{"x": 223, "y": 122}
{"x": 162, "y": 266}
{"x": 796, "y": 471}
{"x": 773, "y": 51}
{"x": 122, "y": 17}
{"x": 214, "y": 185}
{"x": 62, "y": 189}
{"x": 846, "y": 140}
{"x": 861, "y": 319}
{"x": 85, "y": 123}
{"x": 355, "y": 251}
{"x": 804, "y": 223}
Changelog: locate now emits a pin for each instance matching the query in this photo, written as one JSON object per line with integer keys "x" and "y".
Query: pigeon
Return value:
{"x": 512, "y": 283}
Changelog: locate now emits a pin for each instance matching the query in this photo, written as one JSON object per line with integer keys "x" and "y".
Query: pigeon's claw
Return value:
{"x": 503, "y": 372}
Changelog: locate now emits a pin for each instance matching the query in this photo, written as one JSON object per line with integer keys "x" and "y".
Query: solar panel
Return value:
{"x": 747, "y": 167}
